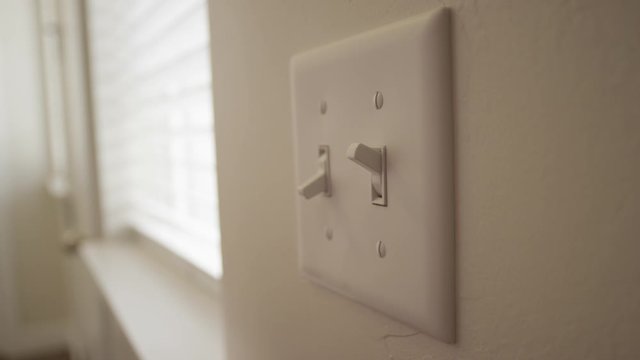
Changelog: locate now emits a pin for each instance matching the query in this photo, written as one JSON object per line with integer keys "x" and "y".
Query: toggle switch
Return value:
{"x": 320, "y": 183}
{"x": 374, "y": 160}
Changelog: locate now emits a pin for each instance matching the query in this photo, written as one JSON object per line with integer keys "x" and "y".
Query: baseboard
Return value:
{"x": 35, "y": 339}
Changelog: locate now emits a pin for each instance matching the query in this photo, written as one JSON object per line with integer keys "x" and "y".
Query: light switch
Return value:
{"x": 320, "y": 182}
{"x": 382, "y": 103}
{"x": 374, "y": 160}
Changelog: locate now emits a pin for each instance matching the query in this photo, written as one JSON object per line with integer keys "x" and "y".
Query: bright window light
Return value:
{"x": 154, "y": 124}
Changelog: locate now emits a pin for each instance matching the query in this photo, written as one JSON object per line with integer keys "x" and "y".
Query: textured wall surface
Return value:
{"x": 547, "y": 175}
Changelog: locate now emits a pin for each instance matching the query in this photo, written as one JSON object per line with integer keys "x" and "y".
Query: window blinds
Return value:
{"x": 154, "y": 123}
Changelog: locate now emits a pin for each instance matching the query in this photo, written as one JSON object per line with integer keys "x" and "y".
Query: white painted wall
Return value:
{"x": 548, "y": 183}
{"x": 6, "y": 269}
{"x": 32, "y": 285}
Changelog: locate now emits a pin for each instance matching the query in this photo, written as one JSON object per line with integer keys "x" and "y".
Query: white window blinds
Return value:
{"x": 154, "y": 123}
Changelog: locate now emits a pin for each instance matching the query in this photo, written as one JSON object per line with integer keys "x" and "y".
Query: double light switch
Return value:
{"x": 371, "y": 159}
{"x": 375, "y": 215}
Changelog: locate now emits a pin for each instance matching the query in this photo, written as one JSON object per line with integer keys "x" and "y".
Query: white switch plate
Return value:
{"x": 409, "y": 62}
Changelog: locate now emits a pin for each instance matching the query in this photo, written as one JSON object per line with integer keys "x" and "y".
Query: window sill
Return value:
{"x": 162, "y": 315}
{"x": 200, "y": 253}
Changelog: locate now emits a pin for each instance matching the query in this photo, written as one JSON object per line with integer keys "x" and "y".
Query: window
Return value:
{"x": 154, "y": 123}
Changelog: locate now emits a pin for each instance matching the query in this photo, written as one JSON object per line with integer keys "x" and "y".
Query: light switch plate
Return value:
{"x": 333, "y": 90}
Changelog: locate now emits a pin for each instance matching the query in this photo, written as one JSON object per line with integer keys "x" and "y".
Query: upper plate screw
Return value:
{"x": 323, "y": 107}
{"x": 378, "y": 100}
